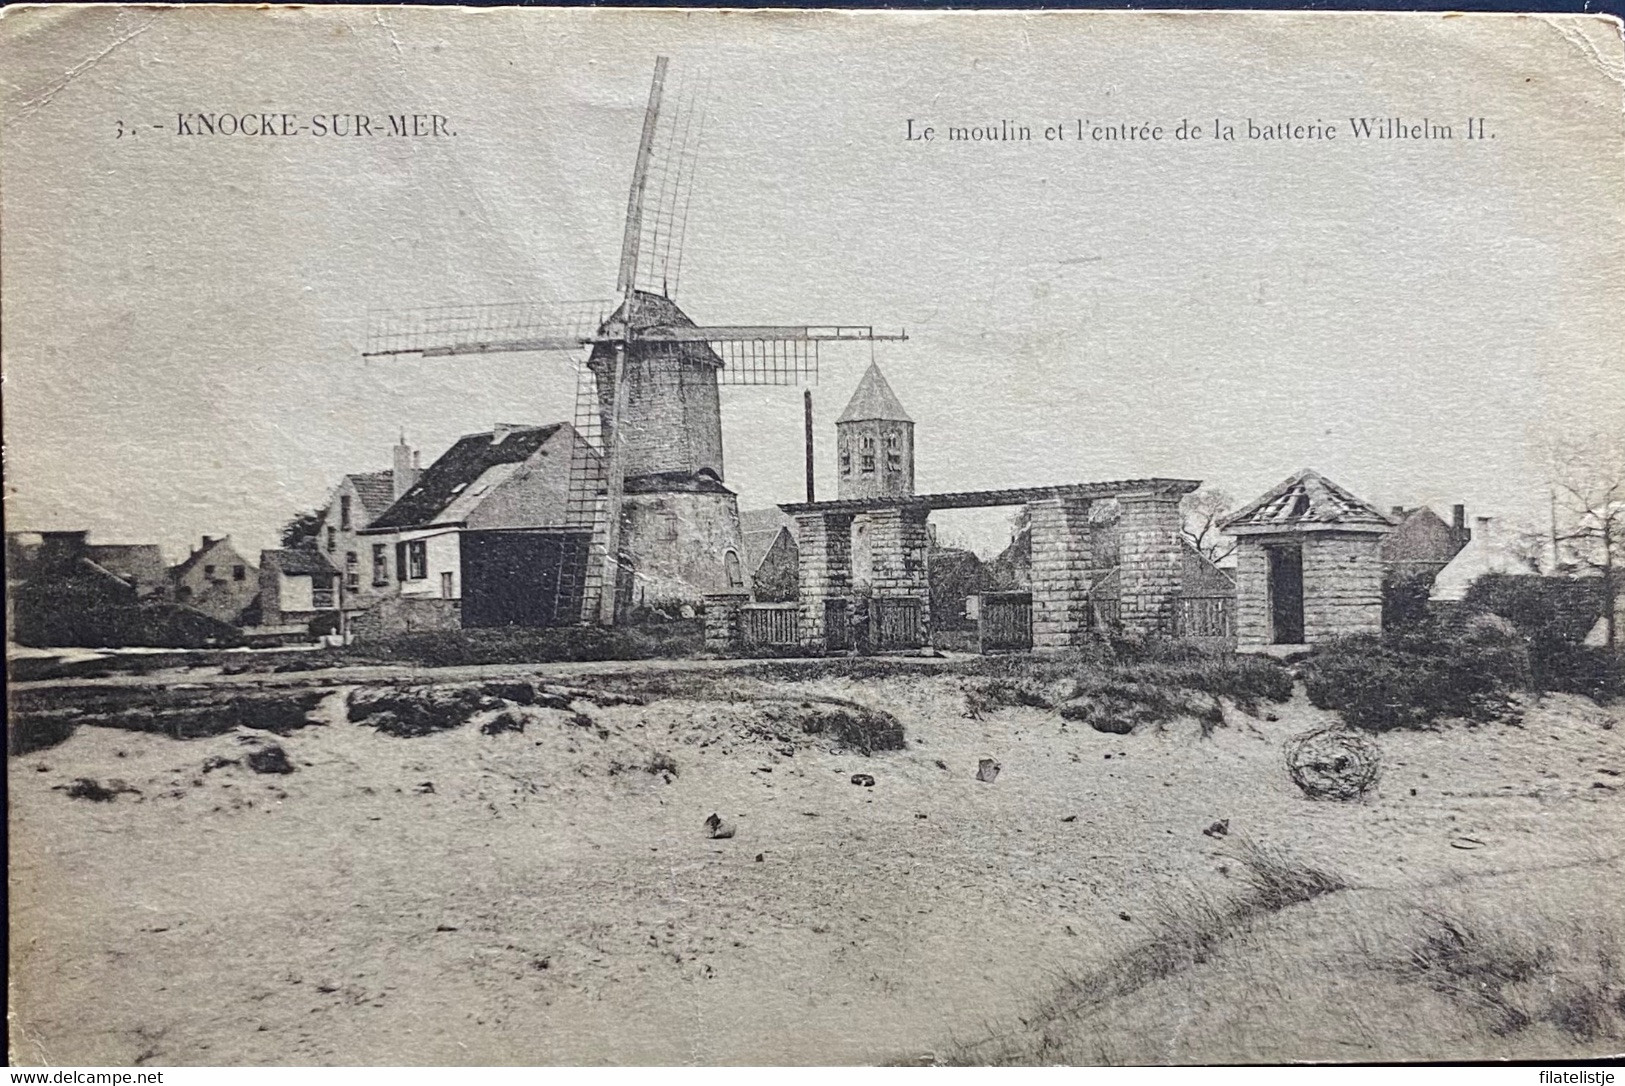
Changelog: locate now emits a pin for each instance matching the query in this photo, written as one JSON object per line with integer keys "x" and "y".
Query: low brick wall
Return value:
{"x": 393, "y": 616}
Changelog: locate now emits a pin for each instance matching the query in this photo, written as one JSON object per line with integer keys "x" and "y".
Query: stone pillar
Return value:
{"x": 1252, "y": 595}
{"x": 824, "y": 541}
{"x": 899, "y": 548}
{"x": 723, "y": 632}
{"x": 1152, "y": 558}
{"x": 1062, "y": 571}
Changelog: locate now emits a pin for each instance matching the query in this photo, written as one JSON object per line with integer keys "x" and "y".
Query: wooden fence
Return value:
{"x": 898, "y": 623}
{"x": 769, "y": 624}
{"x": 1005, "y": 622}
{"x": 1205, "y": 617}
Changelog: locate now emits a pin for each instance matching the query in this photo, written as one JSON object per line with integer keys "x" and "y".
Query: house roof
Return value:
{"x": 770, "y": 519}
{"x": 874, "y": 399}
{"x": 298, "y": 561}
{"x": 1489, "y": 551}
{"x": 376, "y": 489}
{"x": 759, "y": 529}
{"x": 1305, "y": 502}
{"x": 458, "y": 468}
{"x": 1423, "y": 537}
{"x": 140, "y": 560}
{"x": 197, "y": 556}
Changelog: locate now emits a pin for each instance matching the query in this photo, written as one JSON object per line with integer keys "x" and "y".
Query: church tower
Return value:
{"x": 874, "y": 440}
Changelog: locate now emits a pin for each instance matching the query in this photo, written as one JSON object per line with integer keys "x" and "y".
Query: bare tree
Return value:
{"x": 1588, "y": 511}
{"x": 1200, "y": 513}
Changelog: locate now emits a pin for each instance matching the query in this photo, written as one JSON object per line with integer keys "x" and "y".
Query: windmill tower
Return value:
{"x": 646, "y": 480}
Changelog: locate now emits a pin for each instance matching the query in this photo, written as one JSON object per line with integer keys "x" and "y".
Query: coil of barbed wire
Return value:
{"x": 1333, "y": 763}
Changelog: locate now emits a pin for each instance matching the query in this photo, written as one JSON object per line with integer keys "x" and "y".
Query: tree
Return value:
{"x": 1588, "y": 511}
{"x": 1200, "y": 513}
{"x": 302, "y": 528}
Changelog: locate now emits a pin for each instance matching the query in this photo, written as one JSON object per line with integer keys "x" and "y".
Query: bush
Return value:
{"x": 1405, "y": 599}
{"x": 1409, "y": 680}
{"x": 525, "y": 645}
{"x": 1115, "y": 686}
{"x": 408, "y": 712}
{"x": 1554, "y": 615}
{"x": 1597, "y": 673}
{"x": 1549, "y": 610}
{"x": 855, "y": 727}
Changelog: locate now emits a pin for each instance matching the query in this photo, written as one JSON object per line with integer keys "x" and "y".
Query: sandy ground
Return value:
{"x": 522, "y": 898}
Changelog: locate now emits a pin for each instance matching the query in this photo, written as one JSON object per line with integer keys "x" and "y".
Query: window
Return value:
{"x": 866, "y": 462}
{"x": 238, "y": 573}
{"x": 445, "y": 586}
{"x": 417, "y": 559}
{"x": 730, "y": 565}
{"x": 894, "y": 455}
{"x": 352, "y": 571}
{"x": 321, "y": 592}
{"x": 332, "y": 539}
{"x": 668, "y": 527}
{"x": 380, "y": 565}
{"x": 344, "y": 512}
{"x": 208, "y": 571}
{"x": 846, "y": 460}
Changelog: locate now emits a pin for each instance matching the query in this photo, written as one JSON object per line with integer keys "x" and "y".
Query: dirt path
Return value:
{"x": 536, "y": 897}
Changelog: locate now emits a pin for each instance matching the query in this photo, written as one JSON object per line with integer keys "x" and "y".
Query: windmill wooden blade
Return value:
{"x": 662, "y": 184}
{"x": 768, "y": 354}
{"x": 437, "y": 331}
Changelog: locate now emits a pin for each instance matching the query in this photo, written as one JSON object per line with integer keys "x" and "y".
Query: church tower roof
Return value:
{"x": 874, "y": 399}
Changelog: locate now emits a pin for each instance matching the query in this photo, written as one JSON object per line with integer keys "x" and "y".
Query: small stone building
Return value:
{"x": 216, "y": 579}
{"x": 1308, "y": 564}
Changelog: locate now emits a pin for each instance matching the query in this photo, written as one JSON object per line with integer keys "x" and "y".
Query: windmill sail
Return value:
{"x": 437, "y": 331}
{"x": 662, "y": 184}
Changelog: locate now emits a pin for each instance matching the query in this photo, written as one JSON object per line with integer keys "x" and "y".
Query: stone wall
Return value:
{"x": 1252, "y": 595}
{"x": 899, "y": 550}
{"x": 1062, "y": 570}
{"x": 824, "y": 556}
{"x": 722, "y": 629}
{"x": 1342, "y": 585}
{"x": 395, "y": 615}
{"x": 1151, "y": 562}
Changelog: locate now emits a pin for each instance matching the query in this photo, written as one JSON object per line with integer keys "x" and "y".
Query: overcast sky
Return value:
{"x": 184, "y": 316}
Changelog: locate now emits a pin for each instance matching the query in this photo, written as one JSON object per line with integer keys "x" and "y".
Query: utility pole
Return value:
{"x": 806, "y": 403}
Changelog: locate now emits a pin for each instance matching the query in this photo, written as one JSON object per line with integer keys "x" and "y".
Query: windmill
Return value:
{"x": 647, "y": 406}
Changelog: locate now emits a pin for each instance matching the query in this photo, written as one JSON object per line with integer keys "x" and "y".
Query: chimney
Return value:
{"x": 1481, "y": 529}
{"x": 1458, "y": 517}
{"x": 500, "y": 432}
{"x": 406, "y": 467}
{"x": 1397, "y": 510}
{"x": 208, "y": 541}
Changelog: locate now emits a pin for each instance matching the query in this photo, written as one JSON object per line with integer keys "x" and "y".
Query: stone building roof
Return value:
{"x": 300, "y": 561}
{"x": 1307, "y": 501}
{"x": 874, "y": 399}
{"x": 458, "y": 469}
{"x": 376, "y": 489}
